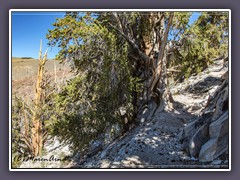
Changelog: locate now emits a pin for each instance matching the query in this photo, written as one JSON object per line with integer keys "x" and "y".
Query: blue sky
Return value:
{"x": 194, "y": 17}
{"x": 28, "y": 28}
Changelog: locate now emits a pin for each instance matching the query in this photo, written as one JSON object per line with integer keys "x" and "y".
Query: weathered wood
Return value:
{"x": 37, "y": 129}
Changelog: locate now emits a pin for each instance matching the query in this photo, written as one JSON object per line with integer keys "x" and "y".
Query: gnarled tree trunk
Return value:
{"x": 153, "y": 55}
{"x": 160, "y": 94}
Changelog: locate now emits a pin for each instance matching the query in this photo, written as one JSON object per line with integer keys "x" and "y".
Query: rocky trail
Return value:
{"x": 156, "y": 143}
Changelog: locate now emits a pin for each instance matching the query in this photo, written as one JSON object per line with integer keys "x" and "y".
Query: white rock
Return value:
{"x": 123, "y": 111}
{"x": 142, "y": 120}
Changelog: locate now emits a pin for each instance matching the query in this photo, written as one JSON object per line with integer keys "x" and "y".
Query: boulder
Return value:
{"x": 218, "y": 143}
{"x": 194, "y": 129}
{"x": 198, "y": 139}
{"x": 207, "y": 137}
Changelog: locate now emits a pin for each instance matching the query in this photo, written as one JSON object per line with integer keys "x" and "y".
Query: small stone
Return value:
{"x": 122, "y": 151}
{"x": 193, "y": 159}
{"x": 105, "y": 164}
{"x": 123, "y": 111}
{"x": 226, "y": 162}
{"x": 103, "y": 154}
{"x": 216, "y": 162}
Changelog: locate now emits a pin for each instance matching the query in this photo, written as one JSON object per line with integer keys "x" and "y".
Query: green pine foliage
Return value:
{"x": 205, "y": 40}
{"x": 90, "y": 103}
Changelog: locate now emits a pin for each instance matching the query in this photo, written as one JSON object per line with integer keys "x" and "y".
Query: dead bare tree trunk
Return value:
{"x": 37, "y": 128}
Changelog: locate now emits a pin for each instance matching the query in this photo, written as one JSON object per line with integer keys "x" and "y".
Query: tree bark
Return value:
{"x": 155, "y": 93}
{"x": 160, "y": 94}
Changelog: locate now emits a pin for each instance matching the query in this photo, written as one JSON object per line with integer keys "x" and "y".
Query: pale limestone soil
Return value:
{"x": 156, "y": 143}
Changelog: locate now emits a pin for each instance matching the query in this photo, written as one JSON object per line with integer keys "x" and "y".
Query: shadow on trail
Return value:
{"x": 203, "y": 85}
